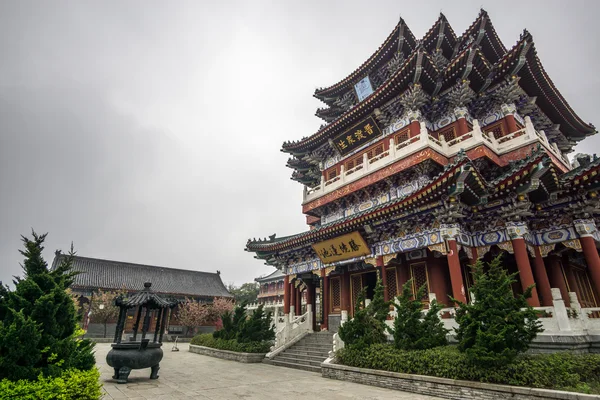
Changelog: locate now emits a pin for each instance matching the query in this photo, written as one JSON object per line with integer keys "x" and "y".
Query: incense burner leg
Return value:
{"x": 154, "y": 373}
{"x": 123, "y": 374}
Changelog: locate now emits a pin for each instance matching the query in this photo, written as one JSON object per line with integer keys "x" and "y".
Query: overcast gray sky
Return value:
{"x": 149, "y": 131}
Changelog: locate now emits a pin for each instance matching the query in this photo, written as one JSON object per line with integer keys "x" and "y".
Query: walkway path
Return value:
{"x": 185, "y": 375}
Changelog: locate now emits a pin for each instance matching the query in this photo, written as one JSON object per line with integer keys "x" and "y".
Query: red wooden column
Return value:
{"x": 541, "y": 278}
{"x": 415, "y": 127}
{"x": 456, "y": 279}
{"x": 525, "y": 273}
{"x": 592, "y": 259}
{"x": 286, "y": 295}
{"x": 557, "y": 278}
{"x": 379, "y": 262}
{"x": 461, "y": 114}
{"x": 437, "y": 280}
{"x": 325, "y": 300}
{"x": 511, "y": 123}
{"x": 292, "y": 298}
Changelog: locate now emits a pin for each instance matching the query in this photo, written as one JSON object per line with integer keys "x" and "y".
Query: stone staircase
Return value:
{"x": 307, "y": 354}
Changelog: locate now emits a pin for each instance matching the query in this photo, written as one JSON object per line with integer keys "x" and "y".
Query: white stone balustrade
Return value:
{"x": 472, "y": 139}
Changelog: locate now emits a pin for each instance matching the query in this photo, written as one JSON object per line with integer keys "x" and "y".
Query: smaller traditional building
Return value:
{"x": 271, "y": 289}
{"x": 96, "y": 274}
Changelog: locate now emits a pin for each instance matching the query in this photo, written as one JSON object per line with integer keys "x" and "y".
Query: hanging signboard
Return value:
{"x": 363, "y": 88}
{"x": 356, "y": 136}
{"x": 342, "y": 248}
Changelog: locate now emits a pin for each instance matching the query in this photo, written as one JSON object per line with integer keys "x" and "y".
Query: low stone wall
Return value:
{"x": 443, "y": 387}
{"x": 228, "y": 355}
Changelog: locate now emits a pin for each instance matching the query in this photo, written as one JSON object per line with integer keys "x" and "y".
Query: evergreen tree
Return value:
{"x": 232, "y": 322}
{"x": 498, "y": 325}
{"x": 257, "y": 328}
{"x": 38, "y": 321}
{"x": 368, "y": 325}
{"x": 411, "y": 330}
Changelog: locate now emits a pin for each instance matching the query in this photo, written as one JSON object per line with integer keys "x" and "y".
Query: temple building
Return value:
{"x": 435, "y": 153}
{"x": 271, "y": 290}
{"x": 94, "y": 274}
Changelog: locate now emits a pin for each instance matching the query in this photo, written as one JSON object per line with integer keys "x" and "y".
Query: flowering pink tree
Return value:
{"x": 192, "y": 314}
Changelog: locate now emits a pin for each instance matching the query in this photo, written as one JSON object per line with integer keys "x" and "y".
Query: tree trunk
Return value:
{"x": 105, "y": 329}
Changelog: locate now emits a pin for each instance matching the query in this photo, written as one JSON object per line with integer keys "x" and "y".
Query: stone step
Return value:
{"x": 302, "y": 356}
{"x": 292, "y": 350}
{"x": 313, "y": 347}
{"x": 311, "y": 368}
{"x": 312, "y": 341}
{"x": 293, "y": 360}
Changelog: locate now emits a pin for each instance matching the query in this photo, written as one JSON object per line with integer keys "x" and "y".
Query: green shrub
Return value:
{"x": 560, "y": 371}
{"x": 368, "y": 325}
{"x": 257, "y": 328}
{"x": 38, "y": 321}
{"x": 411, "y": 330}
{"x": 208, "y": 340}
{"x": 71, "y": 385}
{"x": 498, "y": 325}
{"x": 231, "y": 322}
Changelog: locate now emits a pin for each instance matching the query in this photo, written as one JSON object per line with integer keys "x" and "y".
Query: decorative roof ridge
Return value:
{"x": 576, "y": 172}
{"x": 414, "y": 54}
{"x": 272, "y": 276}
{"x": 484, "y": 21}
{"x": 433, "y": 29}
{"x": 533, "y": 50}
{"x": 320, "y": 92}
{"x": 136, "y": 265}
{"x": 537, "y": 154}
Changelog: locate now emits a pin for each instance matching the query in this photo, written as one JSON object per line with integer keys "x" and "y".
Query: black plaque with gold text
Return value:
{"x": 358, "y": 135}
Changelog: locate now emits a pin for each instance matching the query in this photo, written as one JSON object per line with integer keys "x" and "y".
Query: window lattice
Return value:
{"x": 418, "y": 273}
{"x": 391, "y": 283}
{"x": 448, "y": 134}
{"x": 331, "y": 174}
{"x": 375, "y": 151}
{"x": 336, "y": 294}
{"x": 401, "y": 137}
{"x": 495, "y": 129}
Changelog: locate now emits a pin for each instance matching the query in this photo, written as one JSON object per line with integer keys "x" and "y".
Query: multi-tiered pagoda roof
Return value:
{"x": 436, "y": 65}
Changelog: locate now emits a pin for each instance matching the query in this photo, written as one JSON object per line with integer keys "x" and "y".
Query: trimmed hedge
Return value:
{"x": 208, "y": 340}
{"x": 71, "y": 385}
{"x": 559, "y": 371}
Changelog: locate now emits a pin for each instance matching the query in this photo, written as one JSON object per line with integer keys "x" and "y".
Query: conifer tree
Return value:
{"x": 412, "y": 330}
{"x": 38, "y": 322}
{"x": 368, "y": 325}
{"x": 232, "y": 322}
{"x": 257, "y": 328}
{"x": 498, "y": 325}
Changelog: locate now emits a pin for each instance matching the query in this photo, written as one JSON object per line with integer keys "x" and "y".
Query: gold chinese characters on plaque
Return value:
{"x": 356, "y": 136}
{"x": 341, "y": 248}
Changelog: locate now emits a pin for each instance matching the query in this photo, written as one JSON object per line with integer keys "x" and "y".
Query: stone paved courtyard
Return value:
{"x": 186, "y": 375}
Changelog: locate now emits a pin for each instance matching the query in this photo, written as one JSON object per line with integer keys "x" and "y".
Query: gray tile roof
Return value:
{"x": 106, "y": 274}
{"x": 276, "y": 275}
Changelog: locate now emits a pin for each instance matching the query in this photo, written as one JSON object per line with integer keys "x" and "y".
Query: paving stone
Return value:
{"x": 184, "y": 375}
